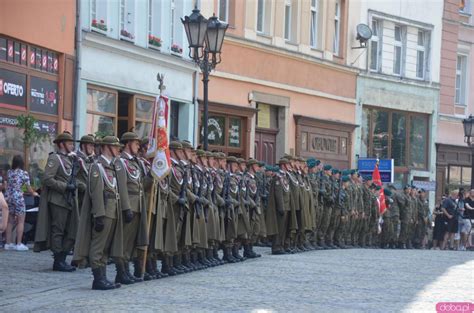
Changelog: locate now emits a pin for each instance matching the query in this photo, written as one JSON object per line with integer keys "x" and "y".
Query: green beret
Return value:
{"x": 387, "y": 192}
{"x": 335, "y": 171}
{"x": 311, "y": 162}
{"x": 283, "y": 161}
{"x": 200, "y": 153}
{"x": 175, "y": 145}
{"x": 231, "y": 159}
{"x": 87, "y": 139}
{"x": 318, "y": 162}
{"x": 129, "y": 136}
{"x": 251, "y": 162}
{"x": 327, "y": 167}
{"x": 110, "y": 141}
{"x": 186, "y": 144}
{"x": 65, "y": 136}
{"x": 345, "y": 172}
{"x": 269, "y": 168}
{"x": 261, "y": 163}
{"x": 369, "y": 177}
{"x": 345, "y": 178}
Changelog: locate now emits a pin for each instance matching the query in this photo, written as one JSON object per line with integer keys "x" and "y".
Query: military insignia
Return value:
{"x": 160, "y": 164}
{"x": 50, "y": 164}
{"x": 118, "y": 167}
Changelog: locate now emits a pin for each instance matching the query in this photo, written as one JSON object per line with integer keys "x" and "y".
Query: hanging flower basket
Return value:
{"x": 176, "y": 48}
{"x": 154, "y": 41}
{"x": 100, "y": 25}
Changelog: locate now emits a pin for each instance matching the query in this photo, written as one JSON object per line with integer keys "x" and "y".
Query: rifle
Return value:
{"x": 226, "y": 196}
{"x": 71, "y": 194}
{"x": 197, "y": 192}
{"x": 182, "y": 194}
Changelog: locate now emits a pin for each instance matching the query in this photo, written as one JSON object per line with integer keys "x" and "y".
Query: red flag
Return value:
{"x": 378, "y": 181}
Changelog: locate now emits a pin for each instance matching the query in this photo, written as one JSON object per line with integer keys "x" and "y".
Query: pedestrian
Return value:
{"x": 439, "y": 229}
{"x": 449, "y": 209}
{"x": 3, "y": 214}
{"x": 465, "y": 219}
{"x": 17, "y": 177}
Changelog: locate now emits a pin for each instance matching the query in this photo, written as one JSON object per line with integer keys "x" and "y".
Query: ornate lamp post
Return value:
{"x": 468, "y": 125}
{"x": 205, "y": 38}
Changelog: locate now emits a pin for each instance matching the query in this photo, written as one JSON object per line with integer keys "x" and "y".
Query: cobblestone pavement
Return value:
{"x": 361, "y": 280}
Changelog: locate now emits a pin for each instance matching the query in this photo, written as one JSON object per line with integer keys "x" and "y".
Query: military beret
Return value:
{"x": 200, "y": 153}
{"x": 87, "y": 139}
{"x": 311, "y": 162}
{"x": 387, "y": 192}
{"x": 269, "y": 168}
{"x": 186, "y": 144}
{"x": 64, "y": 136}
{"x": 283, "y": 161}
{"x": 110, "y": 141}
{"x": 377, "y": 187}
{"x": 327, "y": 167}
{"x": 368, "y": 177}
{"x": 175, "y": 145}
{"x": 240, "y": 160}
{"x": 335, "y": 171}
{"x": 251, "y": 162}
{"x": 318, "y": 162}
{"x": 231, "y": 159}
{"x": 129, "y": 136}
{"x": 261, "y": 163}
{"x": 406, "y": 187}
{"x": 345, "y": 178}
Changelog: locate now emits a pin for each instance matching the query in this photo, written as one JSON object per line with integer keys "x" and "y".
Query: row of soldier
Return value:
{"x": 96, "y": 202}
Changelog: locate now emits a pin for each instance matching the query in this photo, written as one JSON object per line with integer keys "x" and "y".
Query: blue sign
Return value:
{"x": 366, "y": 168}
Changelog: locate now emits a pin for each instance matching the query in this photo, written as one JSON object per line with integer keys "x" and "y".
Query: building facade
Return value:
{"x": 283, "y": 85}
{"x": 398, "y": 84}
{"x": 124, "y": 44}
{"x": 37, "y": 63}
{"x": 453, "y": 157}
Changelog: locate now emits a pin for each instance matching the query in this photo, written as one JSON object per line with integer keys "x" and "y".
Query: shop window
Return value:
{"x": 418, "y": 144}
{"x": 101, "y": 111}
{"x": 43, "y": 95}
{"x": 235, "y": 128}
{"x": 11, "y": 142}
{"x": 3, "y": 49}
{"x": 458, "y": 175}
{"x": 380, "y": 134}
{"x": 365, "y": 128}
{"x": 39, "y": 151}
{"x": 399, "y": 139}
{"x": 127, "y": 19}
{"x": 216, "y": 130}
{"x": 143, "y": 116}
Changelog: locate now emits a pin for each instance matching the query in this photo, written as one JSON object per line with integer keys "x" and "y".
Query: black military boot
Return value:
{"x": 194, "y": 261}
{"x": 100, "y": 282}
{"x": 122, "y": 277}
{"x": 236, "y": 255}
{"x": 215, "y": 253}
{"x": 126, "y": 266}
{"x": 177, "y": 263}
{"x": 166, "y": 266}
{"x": 247, "y": 252}
{"x": 60, "y": 264}
{"x": 228, "y": 256}
{"x": 187, "y": 261}
{"x": 149, "y": 269}
{"x": 138, "y": 270}
{"x": 257, "y": 255}
{"x": 210, "y": 257}
{"x": 159, "y": 274}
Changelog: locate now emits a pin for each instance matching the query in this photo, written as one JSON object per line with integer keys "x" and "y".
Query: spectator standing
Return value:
{"x": 468, "y": 216}
{"x": 449, "y": 208}
{"x": 439, "y": 229}
{"x": 17, "y": 177}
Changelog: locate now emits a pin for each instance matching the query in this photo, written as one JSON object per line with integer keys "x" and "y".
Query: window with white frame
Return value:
{"x": 376, "y": 45}
{"x": 261, "y": 16}
{"x": 422, "y": 52}
{"x": 337, "y": 27}
{"x": 176, "y": 36}
{"x": 314, "y": 24}
{"x": 154, "y": 25}
{"x": 224, "y": 10}
{"x": 461, "y": 79}
{"x": 398, "y": 50}
{"x": 127, "y": 19}
{"x": 288, "y": 20}
{"x": 99, "y": 15}
{"x": 465, "y": 6}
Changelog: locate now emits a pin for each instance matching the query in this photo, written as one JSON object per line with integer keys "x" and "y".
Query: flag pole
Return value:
{"x": 153, "y": 194}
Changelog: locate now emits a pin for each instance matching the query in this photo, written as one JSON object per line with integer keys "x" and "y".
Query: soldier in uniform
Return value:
{"x": 135, "y": 237}
{"x": 405, "y": 215}
{"x": 423, "y": 215}
{"x": 100, "y": 233}
{"x": 367, "y": 203}
{"x": 58, "y": 211}
{"x": 284, "y": 208}
{"x": 255, "y": 208}
{"x": 292, "y": 221}
{"x": 394, "y": 219}
{"x": 313, "y": 183}
{"x": 327, "y": 197}
{"x": 336, "y": 211}
{"x": 342, "y": 206}
{"x": 413, "y": 203}
{"x": 85, "y": 155}
{"x": 217, "y": 177}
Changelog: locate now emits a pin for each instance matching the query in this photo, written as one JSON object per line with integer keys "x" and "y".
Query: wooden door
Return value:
{"x": 265, "y": 144}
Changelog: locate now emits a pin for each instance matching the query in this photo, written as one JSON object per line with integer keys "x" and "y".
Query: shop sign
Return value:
{"x": 12, "y": 88}
{"x": 44, "y": 96}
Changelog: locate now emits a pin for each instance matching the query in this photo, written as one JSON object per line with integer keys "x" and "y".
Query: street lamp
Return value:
{"x": 468, "y": 125}
{"x": 205, "y": 38}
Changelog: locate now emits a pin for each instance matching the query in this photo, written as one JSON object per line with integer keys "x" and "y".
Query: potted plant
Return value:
{"x": 176, "y": 49}
{"x": 99, "y": 25}
{"x": 154, "y": 42}
{"x": 126, "y": 35}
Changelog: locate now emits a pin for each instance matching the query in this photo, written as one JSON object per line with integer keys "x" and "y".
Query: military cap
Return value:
{"x": 186, "y": 144}
{"x": 335, "y": 171}
{"x": 210, "y": 154}
{"x": 345, "y": 172}
{"x": 300, "y": 159}
{"x": 283, "y": 161}
{"x": 261, "y": 163}
{"x": 318, "y": 162}
{"x": 345, "y": 178}
{"x": 422, "y": 190}
{"x": 387, "y": 192}
{"x": 289, "y": 157}
{"x": 269, "y": 168}
{"x": 87, "y": 139}
{"x": 220, "y": 155}
{"x": 231, "y": 159}
{"x": 377, "y": 187}
{"x": 311, "y": 162}
{"x": 129, "y": 136}
{"x": 240, "y": 160}
{"x": 144, "y": 141}
{"x": 200, "y": 153}
{"x": 368, "y": 177}
{"x": 65, "y": 136}
{"x": 391, "y": 186}
{"x": 407, "y": 187}
{"x": 353, "y": 171}
{"x": 252, "y": 162}
{"x": 327, "y": 167}
{"x": 276, "y": 168}
{"x": 175, "y": 145}
{"x": 110, "y": 141}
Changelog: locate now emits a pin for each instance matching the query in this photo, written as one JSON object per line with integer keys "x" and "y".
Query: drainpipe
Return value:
{"x": 78, "y": 43}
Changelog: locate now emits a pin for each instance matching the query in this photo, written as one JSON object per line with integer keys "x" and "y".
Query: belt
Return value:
{"x": 135, "y": 193}
{"x": 109, "y": 195}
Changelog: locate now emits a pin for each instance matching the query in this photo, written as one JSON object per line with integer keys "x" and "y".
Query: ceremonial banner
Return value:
{"x": 378, "y": 181}
{"x": 158, "y": 149}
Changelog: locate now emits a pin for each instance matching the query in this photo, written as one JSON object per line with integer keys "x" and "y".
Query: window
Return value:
{"x": 399, "y": 135}
{"x": 154, "y": 25}
{"x": 11, "y": 142}
{"x": 39, "y": 151}
{"x": 422, "y": 51}
{"x": 176, "y": 27}
{"x": 101, "y": 111}
{"x": 465, "y": 6}
{"x": 337, "y": 27}
{"x": 261, "y": 16}
{"x": 224, "y": 10}
{"x": 174, "y": 119}
{"x": 143, "y": 116}
{"x": 288, "y": 19}
{"x": 397, "y": 51}
{"x": 314, "y": 24}
{"x": 99, "y": 15}
{"x": 458, "y": 175}
{"x": 376, "y": 46}
{"x": 461, "y": 68}
{"x": 127, "y": 15}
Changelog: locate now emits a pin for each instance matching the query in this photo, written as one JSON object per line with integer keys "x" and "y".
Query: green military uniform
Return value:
{"x": 100, "y": 233}
{"x": 405, "y": 215}
{"x": 313, "y": 182}
{"x": 342, "y": 206}
{"x": 336, "y": 212}
{"x": 58, "y": 210}
{"x": 85, "y": 162}
{"x": 327, "y": 193}
{"x": 255, "y": 211}
{"x": 367, "y": 204}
